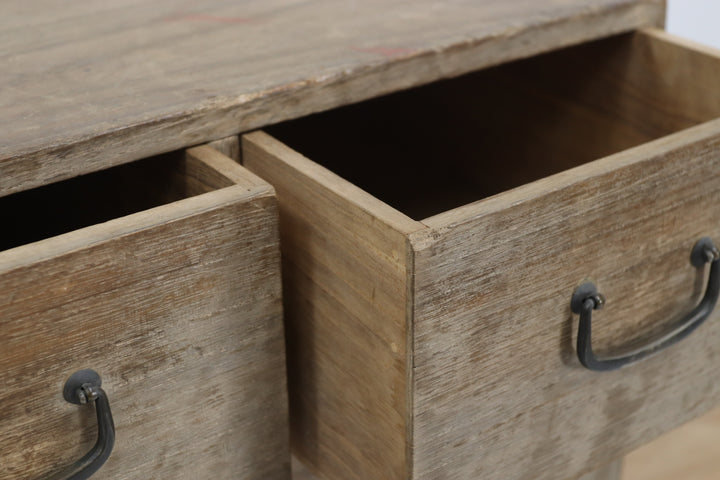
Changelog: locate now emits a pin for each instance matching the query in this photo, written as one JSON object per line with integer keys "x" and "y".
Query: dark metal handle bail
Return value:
{"x": 82, "y": 388}
{"x": 586, "y": 298}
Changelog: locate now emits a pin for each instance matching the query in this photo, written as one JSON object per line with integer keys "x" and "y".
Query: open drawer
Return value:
{"x": 163, "y": 277}
{"x": 432, "y": 242}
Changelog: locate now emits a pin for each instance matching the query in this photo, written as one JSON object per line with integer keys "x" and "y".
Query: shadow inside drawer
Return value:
{"x": 437, "y": 147}
{"x": 62, "y": 207}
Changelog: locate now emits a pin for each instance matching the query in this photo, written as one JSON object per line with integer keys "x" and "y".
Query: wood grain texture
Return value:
{"x": 207, "y": 166}
{"x": 179, "y": 309}
{"x": 228, "y": 146}
{"x": 344, "y": 289}
{"x": 608, "y": 472}
{"x": 606, "y": 96}
{"x": 688, "y": 452}
{"x": 88, "y": 85}
{"x": 300, "y": 471}
{"x": 498, "y": 391}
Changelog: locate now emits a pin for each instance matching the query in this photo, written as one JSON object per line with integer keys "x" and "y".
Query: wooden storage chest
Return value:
{"x": 428, "y": 280}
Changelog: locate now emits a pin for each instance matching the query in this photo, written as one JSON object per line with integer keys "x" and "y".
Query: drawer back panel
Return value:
{"x": 65, "y": 206}
{"x": 427, "y": 150}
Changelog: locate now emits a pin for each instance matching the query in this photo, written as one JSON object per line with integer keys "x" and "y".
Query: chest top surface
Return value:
{"x": 91, "y": 84}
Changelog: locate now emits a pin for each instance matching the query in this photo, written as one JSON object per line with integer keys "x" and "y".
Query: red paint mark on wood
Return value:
{"x": 197, "y": 17}
{"x": 386, "y": 51}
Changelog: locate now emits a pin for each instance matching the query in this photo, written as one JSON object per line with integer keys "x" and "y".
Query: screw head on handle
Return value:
{"x": 582, "y": 293}
{"x": 79, "y": 389}
{"x": 704, "y": 252}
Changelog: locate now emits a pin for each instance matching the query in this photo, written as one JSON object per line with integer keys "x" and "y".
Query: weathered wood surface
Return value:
{"x": 612, "y": 471}
{"x": 300, "y": 471}
{"x": 206, "y": 166}
{"x": 688, "y": 452}
{"x": 179, "y": 309}
{"x": 498, "y": 391}
{"x": 228, "y": 146}
{"x": 344, "y": 290}
{"x": 91, "y": 84}
{"x": 609, "y": 472}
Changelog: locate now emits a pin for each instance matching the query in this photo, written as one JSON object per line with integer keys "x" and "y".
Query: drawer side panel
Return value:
{"x": 344, "y": 279}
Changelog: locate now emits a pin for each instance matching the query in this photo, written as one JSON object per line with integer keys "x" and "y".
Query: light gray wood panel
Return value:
{"x": 228, "y": 146}
{"x": 611, "y": 471}
{"x": 87, "y": 85}
{"x": 179, "y": 309}
{"x": 498, "y": 390}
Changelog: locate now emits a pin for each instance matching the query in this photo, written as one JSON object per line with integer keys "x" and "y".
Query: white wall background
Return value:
{"x": 697, "y": 20}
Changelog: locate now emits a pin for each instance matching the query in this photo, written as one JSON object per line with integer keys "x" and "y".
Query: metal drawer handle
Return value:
{"x": 83, "y": 387}
{"x": 586, "y": 298}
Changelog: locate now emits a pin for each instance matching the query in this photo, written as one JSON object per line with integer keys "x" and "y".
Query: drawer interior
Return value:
{"x": 86, "y": 200}
{"x": 434, "y": 148}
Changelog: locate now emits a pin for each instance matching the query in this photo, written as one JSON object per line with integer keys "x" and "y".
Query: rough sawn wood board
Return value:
{"x": 87, "y": 85}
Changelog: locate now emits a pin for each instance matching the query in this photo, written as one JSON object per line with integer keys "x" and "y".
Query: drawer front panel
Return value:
{"x": 497, "y": 384}
{"x": 179, "y": 310}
